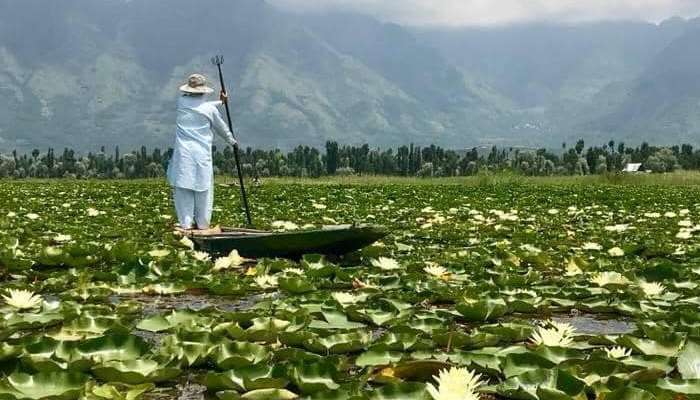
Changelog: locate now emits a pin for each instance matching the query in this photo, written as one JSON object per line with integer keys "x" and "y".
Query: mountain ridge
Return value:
{"x": 85, "y": 73}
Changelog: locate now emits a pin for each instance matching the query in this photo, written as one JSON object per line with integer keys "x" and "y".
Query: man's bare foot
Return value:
{"x": 180, "y": 231}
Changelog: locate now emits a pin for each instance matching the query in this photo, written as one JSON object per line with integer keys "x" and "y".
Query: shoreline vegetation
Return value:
{"x": 679, "y": 178}
{"x": 433, "y": 161}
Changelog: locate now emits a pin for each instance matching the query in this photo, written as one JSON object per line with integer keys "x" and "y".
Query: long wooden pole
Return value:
{"x": 218, "y": 60}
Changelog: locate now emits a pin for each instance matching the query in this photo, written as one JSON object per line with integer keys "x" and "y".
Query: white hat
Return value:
{"x": 196, "y": 84}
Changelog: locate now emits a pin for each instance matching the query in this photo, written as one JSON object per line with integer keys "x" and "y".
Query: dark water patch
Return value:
{"x": 191, "y": 390}
{"x": 378, "y": 332}
{"x": 152, "y": 338}
{"x": 248, "y": 302}
{"x": 152, "y": 305}
{"x": 595, "y": 325}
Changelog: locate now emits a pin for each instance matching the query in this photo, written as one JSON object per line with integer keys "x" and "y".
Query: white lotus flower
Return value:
{"x": 617, "y": 228}
{"x": 32, "y": 216}
{"x": 52, "y": 251}
{"x": 236, "y": 258}
{"x": 455, "y": 384}
{"x": 11, "y": 214}
{"x": 616, "y": 252}
{"x": 572, "y": 269}
{"x": 159, "y": 253}
{"x": 618, "y": 352}
{"x": 670, "y": 214}
{"x": 62, "y": 238}
{"x": 554, "y": 334}
{"x": 437, "y": 219}
{"x": 222, "y": 263}
{"x": 609, "y": 277}
{"x": 688, "y": 364}
{"x": 345, "y": 298}
{"x": 266, "y": 281}
{"x": 437, "y": 271}
{"x": 22, "y": 299}
{"x": 652, "y": 215}
{"x": 126, "y": 289}
{"x": 652, "y": 289}
{"x": 201, "y": 255}
{"x": 552, "y": 211}
{"x": 185, "y": 241}
{"x": 591, "y": 246}
{"x": 91, "y": 212}
{"x": 386, "y": 263}
{"x": 319, "y": 206}
{"x": 684, "y": 234}
{"x": 293, "y": 271}
{"x": 530, "y": 248}
{"x": 285, "y": 225}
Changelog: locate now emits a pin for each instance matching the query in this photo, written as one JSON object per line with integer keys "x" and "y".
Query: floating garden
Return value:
{"x": 492, "y": 292}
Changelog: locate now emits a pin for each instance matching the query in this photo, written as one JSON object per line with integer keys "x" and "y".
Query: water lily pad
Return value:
{"x": 134, "y": 372}
{"x": 260, "y": 394}
{"x": 115, "y": 392}
{"x": 543, "y": 384}
{"x": 314, "y": 377}
{"x": 376, "y": 356}
{"x": 482, "y": 310}
{"x": 55, "y": 385}
{"x": 238, "y": 354}
{"x": 179, "y": 318}
{"x": 339, "y": 343}
{"x": 401, "y": 391}
{"x": 247, "y": 378}
{"x": 630, "y": 393}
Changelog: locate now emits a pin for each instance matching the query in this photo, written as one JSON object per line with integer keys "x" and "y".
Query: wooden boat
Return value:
{"x": 329, "y": 240}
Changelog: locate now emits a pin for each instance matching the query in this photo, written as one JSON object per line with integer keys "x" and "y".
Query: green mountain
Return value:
{"x": 87, "y": 73}
{"x": 662, "y": 105}
{"x": 569, "y": 82}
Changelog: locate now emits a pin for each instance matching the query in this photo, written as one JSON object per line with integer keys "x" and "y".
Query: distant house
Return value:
{"x": 632, "y": 167}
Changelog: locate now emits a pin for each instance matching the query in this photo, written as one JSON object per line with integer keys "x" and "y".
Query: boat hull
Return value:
{"x": 331, "y": 240}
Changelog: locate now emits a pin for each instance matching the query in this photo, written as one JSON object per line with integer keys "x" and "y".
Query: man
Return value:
{"x": 190, "y": 171}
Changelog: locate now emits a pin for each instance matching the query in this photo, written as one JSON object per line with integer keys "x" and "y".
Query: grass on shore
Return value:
{"x": 681, "y": 178}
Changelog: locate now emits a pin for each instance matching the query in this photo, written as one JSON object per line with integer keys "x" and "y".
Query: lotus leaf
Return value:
{"x": 313, "y": 377}
{"x": 339, "y": 343}
{"x": 43, "y": 385}
{"x": 482, "y": 310}
{"x": 543, "y": 384}
{"x": 238, "y": 354}
{"x": 251, "y": 377}
{"x": 134, "y": 372}
{"x": 114, "y": 392}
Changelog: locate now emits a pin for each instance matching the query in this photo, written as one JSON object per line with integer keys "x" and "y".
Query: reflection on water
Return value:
{"x": 593, "y": 325}
{"x": 158, "y": 304}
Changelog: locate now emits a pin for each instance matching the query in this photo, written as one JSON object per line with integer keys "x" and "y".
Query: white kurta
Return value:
{"x": 191, "y": 164}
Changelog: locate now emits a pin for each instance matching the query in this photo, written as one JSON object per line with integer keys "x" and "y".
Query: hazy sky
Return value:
{"x": 489, "y": 12}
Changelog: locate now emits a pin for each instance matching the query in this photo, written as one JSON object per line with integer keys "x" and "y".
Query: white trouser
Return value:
{"x": 192, "y": 206}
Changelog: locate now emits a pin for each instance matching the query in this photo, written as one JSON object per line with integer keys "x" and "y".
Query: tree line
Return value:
{"x": 407, "y": 160}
